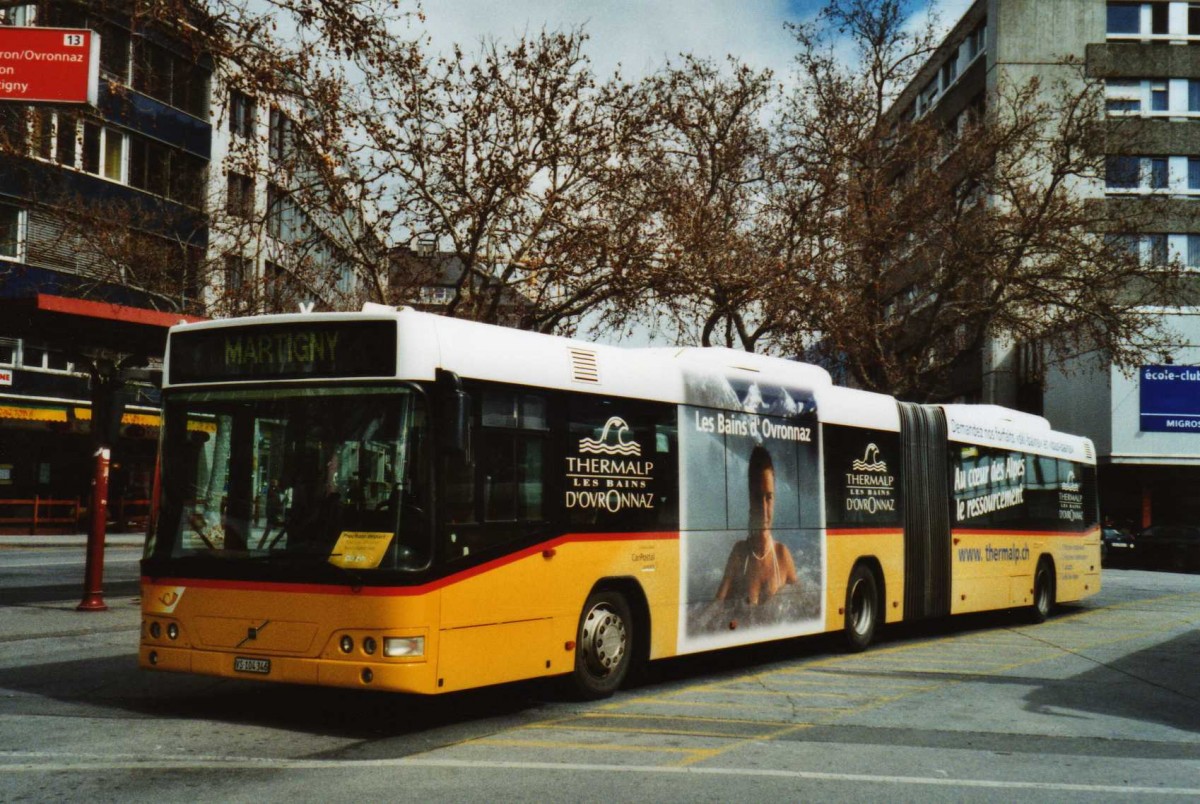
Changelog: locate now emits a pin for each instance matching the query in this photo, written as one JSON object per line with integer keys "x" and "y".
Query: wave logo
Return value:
{"x": 1070, "y": 484}
{"x": 612, "y": 440}
{"x": 870, "y": 461}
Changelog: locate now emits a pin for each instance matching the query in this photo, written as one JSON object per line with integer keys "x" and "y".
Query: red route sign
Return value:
{"x": 49, "y": 65}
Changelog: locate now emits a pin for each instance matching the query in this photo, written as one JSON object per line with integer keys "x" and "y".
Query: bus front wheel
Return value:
{"x": 1043, "y": 591}
{"x": 603, "y": 647}
{"x": 862, "y": 608}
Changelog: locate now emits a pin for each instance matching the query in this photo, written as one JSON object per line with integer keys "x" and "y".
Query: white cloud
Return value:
{"x": 640, "y": 35}
{"x": 637, "y": 35}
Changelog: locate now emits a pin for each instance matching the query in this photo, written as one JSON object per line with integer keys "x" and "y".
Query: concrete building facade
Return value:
{"x": 1145, "y": 423}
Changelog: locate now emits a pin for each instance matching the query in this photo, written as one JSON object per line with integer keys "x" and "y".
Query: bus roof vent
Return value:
{"x": 1088, "y": 451}
{"x": 585, "y": 366}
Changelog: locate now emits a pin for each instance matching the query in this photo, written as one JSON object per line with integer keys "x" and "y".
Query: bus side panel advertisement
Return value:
{"x": 751, "y": 545}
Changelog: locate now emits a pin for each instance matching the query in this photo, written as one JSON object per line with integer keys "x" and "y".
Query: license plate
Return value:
{"x": 1119, "y": 544}
{"x": 244, "y": 665}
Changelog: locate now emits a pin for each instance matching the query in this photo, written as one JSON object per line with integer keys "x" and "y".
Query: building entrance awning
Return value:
{"x": 68, "y": 322}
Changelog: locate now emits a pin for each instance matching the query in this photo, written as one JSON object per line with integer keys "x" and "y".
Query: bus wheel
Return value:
{"x": 862, "y": 608}
{"x": 604, "y": 645}
{"x": 1043, "y": 592}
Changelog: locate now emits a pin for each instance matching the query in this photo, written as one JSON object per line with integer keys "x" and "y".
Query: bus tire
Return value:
{"x": 862, "y": 608}
{"x": 1043, "y": 591}
{"x": 603, "y": 646}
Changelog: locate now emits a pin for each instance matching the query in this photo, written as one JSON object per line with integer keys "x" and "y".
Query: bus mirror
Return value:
{"x": 457, "y": 412}
{"x": 458, "y": 426}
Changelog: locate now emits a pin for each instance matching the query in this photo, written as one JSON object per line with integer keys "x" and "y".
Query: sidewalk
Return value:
{"x": 69, "y": 540}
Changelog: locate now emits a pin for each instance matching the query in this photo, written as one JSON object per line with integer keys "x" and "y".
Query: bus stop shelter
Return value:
{"x": 113, "y": 344}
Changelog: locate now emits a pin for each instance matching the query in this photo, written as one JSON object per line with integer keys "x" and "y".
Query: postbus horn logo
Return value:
{"x": 870, "y": 461}
{"x": 612, "y": 440}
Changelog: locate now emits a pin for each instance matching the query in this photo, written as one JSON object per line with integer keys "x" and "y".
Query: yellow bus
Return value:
{"x": 395, "y": 500}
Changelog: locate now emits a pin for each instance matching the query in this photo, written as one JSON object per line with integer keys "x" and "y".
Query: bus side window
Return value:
{"x": 493, "y": 501}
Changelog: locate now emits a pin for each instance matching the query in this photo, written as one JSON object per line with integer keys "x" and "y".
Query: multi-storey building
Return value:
{"x": 1146, "y": 426}
{"x": 174, "y": 195}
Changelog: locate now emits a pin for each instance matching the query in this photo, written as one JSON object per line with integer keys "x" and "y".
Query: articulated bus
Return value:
{"x": 395, "y": 500}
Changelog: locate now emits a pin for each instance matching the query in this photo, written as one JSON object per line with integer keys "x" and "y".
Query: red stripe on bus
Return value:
{"x": 408, "y": 591}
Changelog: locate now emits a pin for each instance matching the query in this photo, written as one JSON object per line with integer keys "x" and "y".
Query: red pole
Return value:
{"x": 93, "y": 576}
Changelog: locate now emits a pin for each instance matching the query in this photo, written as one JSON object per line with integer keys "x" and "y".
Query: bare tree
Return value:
{"x": 706, "y": 169}
{"x": 938, "y": 236}
{"x": 506, "y": 160}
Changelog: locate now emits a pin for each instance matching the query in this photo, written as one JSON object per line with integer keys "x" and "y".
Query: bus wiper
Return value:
{"x": 358, "y": 581}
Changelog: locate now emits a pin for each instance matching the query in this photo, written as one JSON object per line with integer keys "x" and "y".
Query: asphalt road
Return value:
{"x": 34, "y": 575}
{"x": 1101, "y": 703}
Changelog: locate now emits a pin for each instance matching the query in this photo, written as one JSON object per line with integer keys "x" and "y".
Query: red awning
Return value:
{"x": 80, "y": 323}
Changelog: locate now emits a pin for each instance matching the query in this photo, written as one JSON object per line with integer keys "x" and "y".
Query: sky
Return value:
{"x": 640, "y": 35}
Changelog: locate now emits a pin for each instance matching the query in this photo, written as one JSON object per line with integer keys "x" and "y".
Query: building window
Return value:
{"x": 280, "y": 136}
{"x": 241, "y": 114}
{"x": 169, "y": 78}
{"x": 1123, "y": 97}
{"x": 1194, "y": 19}
{"x": 1159, "y": 101}
{"x": 977, "y": 41}
{"x": 18, "y": 15}
{"x": 1156, "y": 248}
{"x": 1193, "y": 173}
{"x": 8, "y": 351}
{"x": 240, "y": 195}
{"x": 12, "y": 232}
{"x": 1124, "y": 18}
{"x": 114, "y": 53}
{"x": 40, "y": 358}
{"x": 1193, "y": 251}
{"x": 149, "y": 165}
{"x": 65, "y": 139}
{"x": 1159, "y": 174}
{"x": 950, "y": 71}
{"x": 1194, "y": 96}
{"x": 239, "y": 290}
{"x": 1121, "y": 172}
{"x": 103, "y": 151}
{"x": 1160, "y": 18}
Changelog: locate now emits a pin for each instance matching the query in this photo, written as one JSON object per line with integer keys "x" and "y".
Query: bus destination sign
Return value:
{"x": 284, "y": 352}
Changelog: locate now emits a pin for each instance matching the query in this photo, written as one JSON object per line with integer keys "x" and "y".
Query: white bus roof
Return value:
{"x": 427, "y": 342}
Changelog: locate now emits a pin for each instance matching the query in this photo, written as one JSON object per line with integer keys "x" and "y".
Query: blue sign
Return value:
{"x": 1170, "y": 397}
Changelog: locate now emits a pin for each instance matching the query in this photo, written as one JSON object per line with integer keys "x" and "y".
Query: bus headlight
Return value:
{"x": 404, "y": 646}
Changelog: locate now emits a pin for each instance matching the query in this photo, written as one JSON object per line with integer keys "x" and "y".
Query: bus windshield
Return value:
{"x": 329, "y": 475}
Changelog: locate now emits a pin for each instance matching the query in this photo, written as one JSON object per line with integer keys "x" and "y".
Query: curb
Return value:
{"x": 70, "y": 540}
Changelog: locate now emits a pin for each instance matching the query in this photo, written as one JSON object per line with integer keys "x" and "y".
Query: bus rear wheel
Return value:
{"x": 1043, "y": 592}
{"x": 862, "y": 608}
{"x": 603, "y": 647}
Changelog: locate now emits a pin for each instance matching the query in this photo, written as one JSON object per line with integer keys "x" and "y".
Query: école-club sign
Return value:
{"x": 49, "y": 65}
{"x": 1170, "y": 399}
